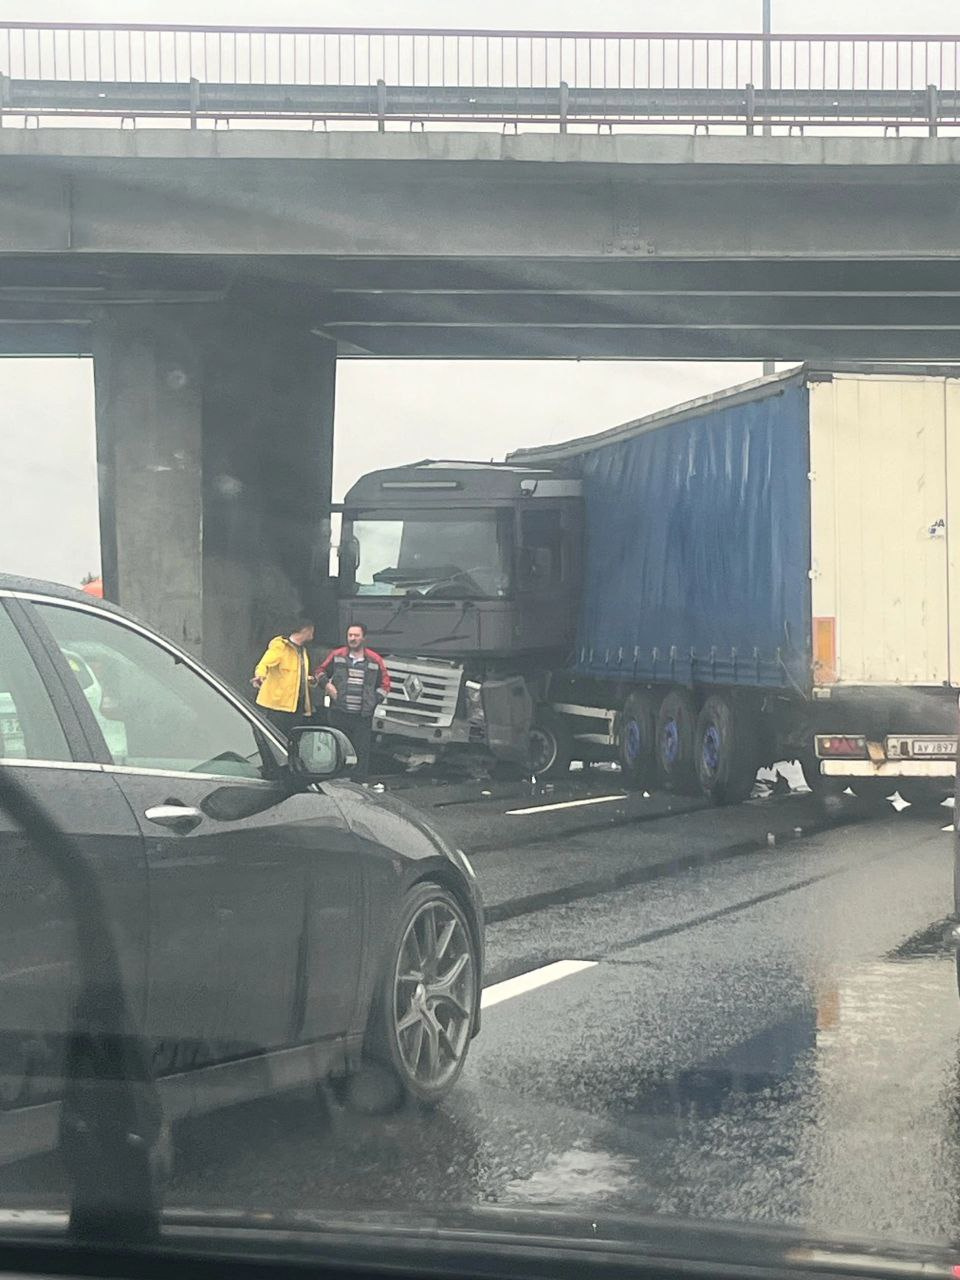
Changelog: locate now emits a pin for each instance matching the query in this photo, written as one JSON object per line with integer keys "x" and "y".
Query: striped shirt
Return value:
{"x": 356, "y": 673}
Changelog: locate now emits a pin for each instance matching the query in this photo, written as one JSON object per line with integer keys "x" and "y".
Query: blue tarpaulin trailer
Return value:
{"x": 767, "y": 575}
{"x": 698, "y": 548}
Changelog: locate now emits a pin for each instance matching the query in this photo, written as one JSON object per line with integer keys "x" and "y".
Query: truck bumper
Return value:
{"x": 458, "y": 733}
{"x": 889, "y": 769}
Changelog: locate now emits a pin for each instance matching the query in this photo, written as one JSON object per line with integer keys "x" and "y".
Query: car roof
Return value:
{"x": 58, "y": 591}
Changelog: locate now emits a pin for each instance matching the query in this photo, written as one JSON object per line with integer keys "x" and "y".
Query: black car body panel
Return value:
{"x": 251, "y": 938}
{"x": 377, "y": 822}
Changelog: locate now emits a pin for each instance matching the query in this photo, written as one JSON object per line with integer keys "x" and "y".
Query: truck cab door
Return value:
{"x": 548, "y": 578}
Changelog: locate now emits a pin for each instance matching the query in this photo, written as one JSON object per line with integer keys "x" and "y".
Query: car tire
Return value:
{"x": 675, "y": 742}
{"x": 551, "y": 745}
{"x": 636, "y": 738}
{"x": 726, "y": 750}
{"x": 422, "y": 1017}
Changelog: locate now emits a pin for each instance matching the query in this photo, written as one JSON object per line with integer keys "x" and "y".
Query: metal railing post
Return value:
{"x": 5, "y": 96}
{"x": 194, "y": 101}
{"x": 767, "y": 76}
{"x": 564, "y": 105}
{"x": 933, "y": 109}
{"x": 751, "y": 103}
{"x": 381, "y": 106}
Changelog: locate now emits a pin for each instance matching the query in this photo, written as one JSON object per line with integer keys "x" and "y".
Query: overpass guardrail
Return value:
{"x": 202, "y": 75}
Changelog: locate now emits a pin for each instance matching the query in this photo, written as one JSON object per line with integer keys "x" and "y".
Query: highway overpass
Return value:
{"x": 217, "y": 275}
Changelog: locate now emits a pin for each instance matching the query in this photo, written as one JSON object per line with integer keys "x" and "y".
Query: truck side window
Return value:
{"x": 541, "y": 539}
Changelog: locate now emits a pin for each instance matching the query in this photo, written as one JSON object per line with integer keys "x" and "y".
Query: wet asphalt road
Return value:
{"x": 769, "y": 1038}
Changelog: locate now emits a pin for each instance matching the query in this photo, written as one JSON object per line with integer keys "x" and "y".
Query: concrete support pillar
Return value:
{"x": 215, "y": 445}
{"x": 268, "y": 405}
{"x": 147, "y": 376}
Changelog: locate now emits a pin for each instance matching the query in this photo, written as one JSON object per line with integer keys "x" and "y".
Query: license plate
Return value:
{"x": 936, "y": 747}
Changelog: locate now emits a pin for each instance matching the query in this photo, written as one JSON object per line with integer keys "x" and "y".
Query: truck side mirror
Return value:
{"x": 349, "y": 556}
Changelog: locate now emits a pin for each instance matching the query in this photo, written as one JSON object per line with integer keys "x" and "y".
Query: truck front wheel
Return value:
{"x": 726, "y": 750}
{"x": 636, "y": 732}
{"x": 675, "y": 742}
{"x": 551, "y": 745}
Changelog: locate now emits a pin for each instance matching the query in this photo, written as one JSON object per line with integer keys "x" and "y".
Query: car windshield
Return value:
{"x": 464, "y": 554}
{"x": 480, "y": 629}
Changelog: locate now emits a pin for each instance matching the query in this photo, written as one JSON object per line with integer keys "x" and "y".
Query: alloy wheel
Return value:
{"x": 434, "y": 994}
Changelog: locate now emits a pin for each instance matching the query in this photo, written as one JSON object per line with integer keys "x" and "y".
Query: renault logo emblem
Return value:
{"x": 413, "y": 687}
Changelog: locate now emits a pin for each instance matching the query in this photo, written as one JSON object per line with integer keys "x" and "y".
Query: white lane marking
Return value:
{"x": 567, "y": 804}
{"x": 530, "y": 981}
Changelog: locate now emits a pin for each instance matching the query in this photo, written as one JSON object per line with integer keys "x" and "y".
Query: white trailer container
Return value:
{"x": 885, "y": 572}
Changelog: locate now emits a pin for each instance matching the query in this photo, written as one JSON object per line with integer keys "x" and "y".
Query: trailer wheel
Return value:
{"x": 726, "y": 751}
{"x": 551, "y": 745}
{"x": 636, "y": 735}
{"x": 675, "y": 742}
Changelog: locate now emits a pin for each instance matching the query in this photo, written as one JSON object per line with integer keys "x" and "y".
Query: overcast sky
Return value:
{"x": 48, "y": 517}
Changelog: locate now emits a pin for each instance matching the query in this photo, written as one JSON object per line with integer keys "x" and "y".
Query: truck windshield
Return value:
{"x": 439, "y": 554}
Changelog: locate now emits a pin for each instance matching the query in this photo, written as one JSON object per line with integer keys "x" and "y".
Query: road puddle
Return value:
{"x": 573, "y": 1176}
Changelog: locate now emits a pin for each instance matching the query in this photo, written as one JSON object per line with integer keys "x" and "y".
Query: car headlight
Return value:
{"x": 474, "y": 701}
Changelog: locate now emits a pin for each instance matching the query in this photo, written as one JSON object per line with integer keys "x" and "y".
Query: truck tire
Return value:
{"x": 674, "y": 748}
{"x": 636, "y": 735}
{"x": 551, "y": 745}
{"x": 726, "y": 750}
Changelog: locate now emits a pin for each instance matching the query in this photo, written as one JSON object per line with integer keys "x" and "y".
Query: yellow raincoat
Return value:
{"x": 284, "y": 669}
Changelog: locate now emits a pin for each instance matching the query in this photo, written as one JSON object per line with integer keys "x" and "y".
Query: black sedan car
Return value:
{"x": 274, "y": 926}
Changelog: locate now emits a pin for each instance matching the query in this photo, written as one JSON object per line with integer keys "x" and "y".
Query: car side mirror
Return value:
{"x": 317, "y": 754}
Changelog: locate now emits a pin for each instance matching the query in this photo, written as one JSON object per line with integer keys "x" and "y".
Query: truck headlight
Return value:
{"x": 474, "y": 701}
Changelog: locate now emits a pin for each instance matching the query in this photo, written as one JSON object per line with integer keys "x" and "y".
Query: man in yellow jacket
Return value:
{"x": 283, "y": 678}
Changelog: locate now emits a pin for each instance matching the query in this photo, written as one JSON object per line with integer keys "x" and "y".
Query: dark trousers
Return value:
{"x": 359, "y": 729}
{"x": 285, "y": 720}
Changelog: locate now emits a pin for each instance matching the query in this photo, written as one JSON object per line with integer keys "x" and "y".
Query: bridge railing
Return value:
{"x": 577, "y": 78}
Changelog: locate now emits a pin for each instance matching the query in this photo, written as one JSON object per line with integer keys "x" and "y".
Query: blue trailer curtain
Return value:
{"x": 698, "y": 549}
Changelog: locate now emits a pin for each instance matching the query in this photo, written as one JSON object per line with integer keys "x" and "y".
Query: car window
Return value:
{"x": 29, "y": 727}
{"x": 153, "y": 710}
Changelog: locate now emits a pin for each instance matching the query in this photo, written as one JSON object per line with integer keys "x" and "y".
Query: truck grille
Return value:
{"x": 422, "y": 694}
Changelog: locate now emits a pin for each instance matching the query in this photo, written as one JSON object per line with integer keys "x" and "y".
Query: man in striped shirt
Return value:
{"x": 357, "y": 680}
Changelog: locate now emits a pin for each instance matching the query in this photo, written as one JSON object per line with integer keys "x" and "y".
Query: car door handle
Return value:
{"x": 180, "y": 817}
